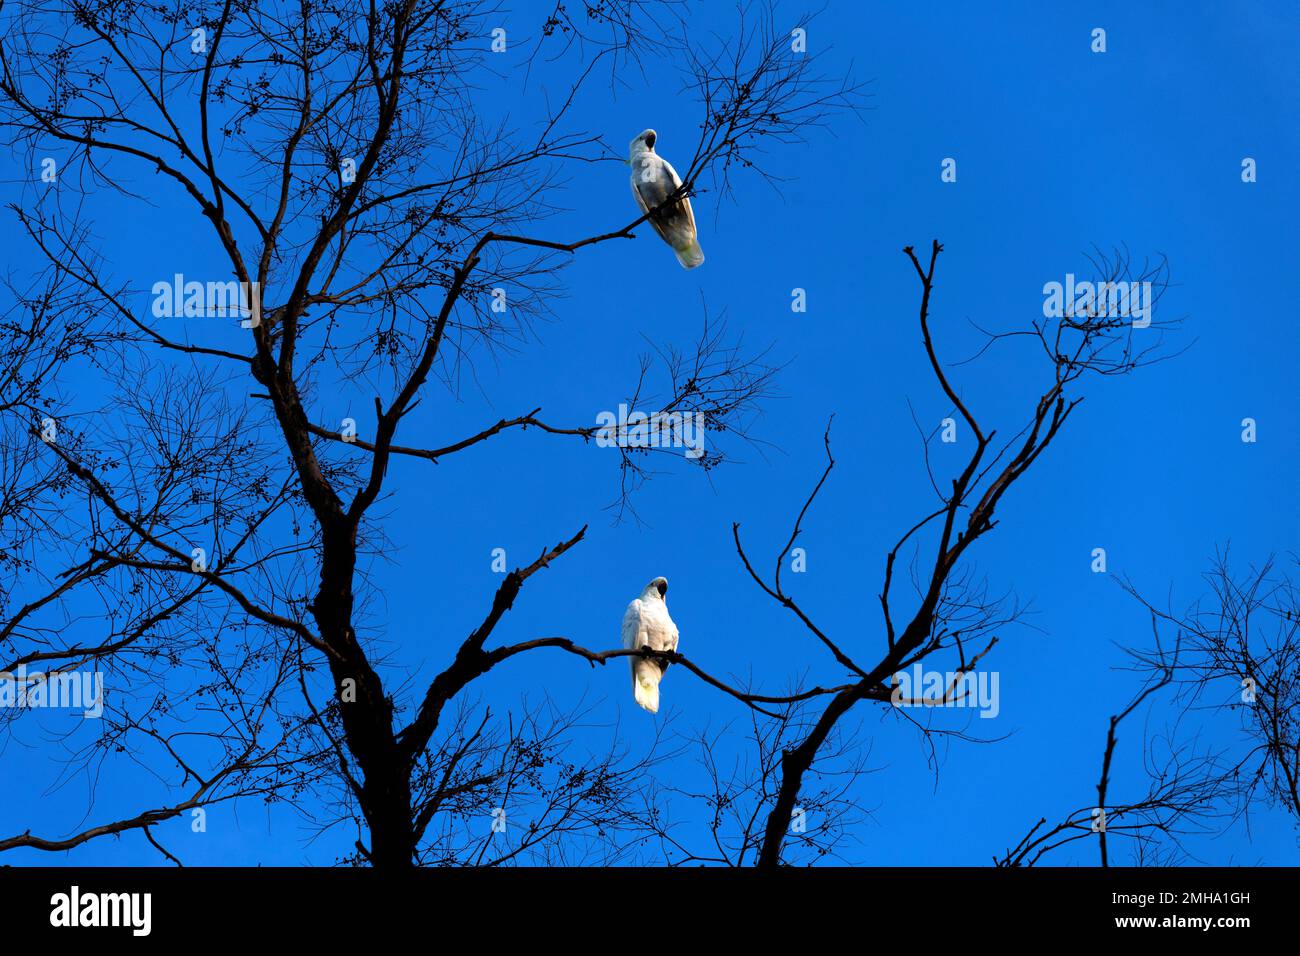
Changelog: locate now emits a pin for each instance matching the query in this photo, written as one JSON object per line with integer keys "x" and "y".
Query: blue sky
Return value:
{"x": 1058, "y": 149}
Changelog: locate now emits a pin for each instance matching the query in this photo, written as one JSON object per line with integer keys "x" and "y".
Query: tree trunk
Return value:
{"x": 367, "y": 719}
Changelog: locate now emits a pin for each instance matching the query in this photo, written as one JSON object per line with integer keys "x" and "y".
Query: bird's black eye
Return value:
{"x": 650, "y": 140}
{"x": 662, "y": 586}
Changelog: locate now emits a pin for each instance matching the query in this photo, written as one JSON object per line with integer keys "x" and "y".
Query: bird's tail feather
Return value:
{"x": 691, "y": 255}
{"x": 645, "y": 685}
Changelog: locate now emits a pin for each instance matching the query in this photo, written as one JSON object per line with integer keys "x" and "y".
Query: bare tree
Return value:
{"x": 1240, "y": 660}
{"x": 368, "y": 211}
{"x": 1187, "y": 788}
{"x": 948, "y": 615}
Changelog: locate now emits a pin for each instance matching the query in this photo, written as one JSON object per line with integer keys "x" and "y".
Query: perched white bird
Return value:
{"x": 653, "y": 181}
{"x": 647, "y": 624}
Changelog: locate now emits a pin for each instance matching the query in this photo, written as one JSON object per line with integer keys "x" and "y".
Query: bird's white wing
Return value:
{"x": 637, "y": 628}
{"x": 684, "y": 209}
{"x": 653, "y": 181}
{"x": 632, "y": 628}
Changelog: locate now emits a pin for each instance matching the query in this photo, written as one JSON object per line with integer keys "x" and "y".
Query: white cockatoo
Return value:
{"x": 647, "y": 624}
{"x": 653, "y": 181}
